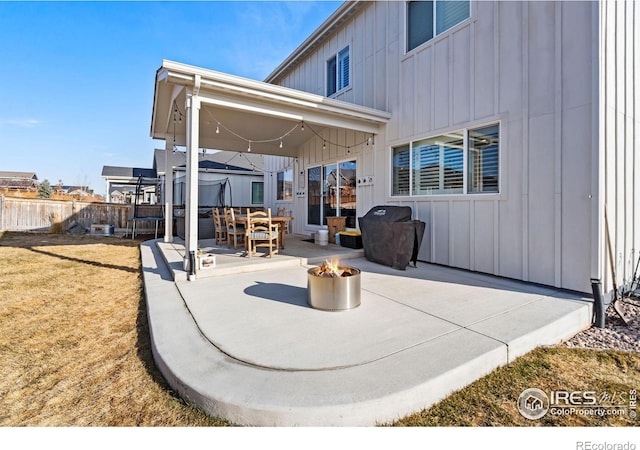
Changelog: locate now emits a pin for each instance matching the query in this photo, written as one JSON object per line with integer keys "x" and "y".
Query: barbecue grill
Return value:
{"x": 390, "y": 237}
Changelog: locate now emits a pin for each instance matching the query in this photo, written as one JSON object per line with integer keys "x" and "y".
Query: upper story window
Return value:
{"x": 338, "y": 72}
{"x": 427, "y": 19}
{"x": 465, "y": 161}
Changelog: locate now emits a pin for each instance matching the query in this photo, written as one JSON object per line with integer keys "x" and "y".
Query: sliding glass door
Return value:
{"x": 332, "y": 193}
{"x": 347, "y": 186}
{"x": 329, "y": 192}
{"x": 314, "y": 195}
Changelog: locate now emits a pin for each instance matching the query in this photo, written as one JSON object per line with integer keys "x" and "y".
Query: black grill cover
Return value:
{"x": 390, "y": 237}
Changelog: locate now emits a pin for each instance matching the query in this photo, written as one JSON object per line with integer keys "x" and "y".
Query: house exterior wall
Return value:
{"x": 238, "y": 190}
{"x": 526, "y": 65}
{"x": 619, "y": 132}
{"x": 273, "y": 165}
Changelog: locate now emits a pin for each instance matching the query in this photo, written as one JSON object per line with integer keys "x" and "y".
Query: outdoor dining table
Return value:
{"x": 281, "y": 221}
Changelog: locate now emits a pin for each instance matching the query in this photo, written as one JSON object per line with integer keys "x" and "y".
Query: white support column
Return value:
{"x": 191, "y": 201}
{"x": 168, "y": 191}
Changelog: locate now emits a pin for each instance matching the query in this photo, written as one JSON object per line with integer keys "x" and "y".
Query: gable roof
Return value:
{"x": 128, "y": 172}
{"x": 344, "y": 12}
{"x": 18, "y": 175}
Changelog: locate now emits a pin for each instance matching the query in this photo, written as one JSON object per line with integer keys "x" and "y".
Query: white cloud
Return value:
{"x": 24, "y": 123}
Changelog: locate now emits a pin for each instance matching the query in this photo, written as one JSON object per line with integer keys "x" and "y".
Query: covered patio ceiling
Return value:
{"x": 236, "y": 110}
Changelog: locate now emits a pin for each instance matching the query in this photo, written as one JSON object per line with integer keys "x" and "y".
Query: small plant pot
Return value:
{"x": 206, "y": 261}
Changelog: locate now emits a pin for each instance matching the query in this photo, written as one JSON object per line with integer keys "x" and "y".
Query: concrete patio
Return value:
{"x": 242, "y": 343}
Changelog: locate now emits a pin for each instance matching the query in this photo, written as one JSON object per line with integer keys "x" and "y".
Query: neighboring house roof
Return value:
{"x": 18, "y": 175}
{"x": 214, "y": 165}
{"x": 82, "y": 190}
{"x": 18, "y": 180}
{"x": 127, "y": 172}
{"x": 221, "y": 160}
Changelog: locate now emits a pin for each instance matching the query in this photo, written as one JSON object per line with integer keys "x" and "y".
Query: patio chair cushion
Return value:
{"x": 264, "y": 235}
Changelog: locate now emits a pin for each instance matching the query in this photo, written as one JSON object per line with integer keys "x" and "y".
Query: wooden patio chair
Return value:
{"x": 261, "y": 232}
{"x": 283, "y": 212}
{"x": 235, "y": 232}
{"x": 219, "y": 227}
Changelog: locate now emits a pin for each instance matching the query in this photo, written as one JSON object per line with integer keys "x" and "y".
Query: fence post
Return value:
{"x": 1, "y": 212}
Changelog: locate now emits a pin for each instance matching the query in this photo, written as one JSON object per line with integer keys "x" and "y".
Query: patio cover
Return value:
{"x": 200, "y": 108}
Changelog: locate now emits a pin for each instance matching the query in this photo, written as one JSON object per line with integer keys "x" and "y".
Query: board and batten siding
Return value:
{"x": 619, "y": 131}
{"x": 273, "y": 165}
{"x": 528, "y": 66}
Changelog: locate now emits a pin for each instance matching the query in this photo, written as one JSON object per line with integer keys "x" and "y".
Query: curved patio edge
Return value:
{"x": 366, "y": 395}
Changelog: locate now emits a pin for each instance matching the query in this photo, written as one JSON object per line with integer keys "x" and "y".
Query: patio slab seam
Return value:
{"x": 462, "y": 326}
{"x": 416, "y": 376}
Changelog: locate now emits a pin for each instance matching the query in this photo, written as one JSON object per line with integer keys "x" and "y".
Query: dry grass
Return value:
{"x": 74, "y": 344}
{"x": 75, "y": 350}
{"x": 491, "y": 401}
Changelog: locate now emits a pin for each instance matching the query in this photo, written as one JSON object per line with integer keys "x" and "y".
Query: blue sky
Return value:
{"x": 76, "y": 78}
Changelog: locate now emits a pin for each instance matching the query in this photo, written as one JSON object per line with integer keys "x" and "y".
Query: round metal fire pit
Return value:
{"x": 333, "y": 293}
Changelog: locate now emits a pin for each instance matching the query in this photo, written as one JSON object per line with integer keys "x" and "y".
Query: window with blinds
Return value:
{"x": 343, "y": 68}
{"x": 401, "y": 169}
{"x": 438, "y": 165}
{"x": 483, "y": 159}
{"x": 423, "y": 17}
{"x": 338, "y": 72}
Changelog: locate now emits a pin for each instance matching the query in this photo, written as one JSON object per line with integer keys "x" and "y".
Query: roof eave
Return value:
{"x": 173, "y": 74}
{"x": 343, "y": 13}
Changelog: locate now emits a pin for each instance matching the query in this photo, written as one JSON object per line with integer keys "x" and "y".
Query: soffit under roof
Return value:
{"x": 235, "y": 109}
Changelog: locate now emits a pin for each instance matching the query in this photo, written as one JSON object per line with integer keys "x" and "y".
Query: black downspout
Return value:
{"x": 598, "y": 303}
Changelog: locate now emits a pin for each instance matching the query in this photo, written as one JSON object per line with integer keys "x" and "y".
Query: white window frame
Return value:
{"x": 465, "y": 161}
{"x": 253, "y": 202}
{"x": 435, "y": 26}
{"x": 339, "y": 88}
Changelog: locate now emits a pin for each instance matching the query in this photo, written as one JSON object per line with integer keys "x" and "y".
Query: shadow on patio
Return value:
{"x": 246, "y": 347}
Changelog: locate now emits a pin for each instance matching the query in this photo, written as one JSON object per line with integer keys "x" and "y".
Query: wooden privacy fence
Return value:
{"x": 27, "y": 214}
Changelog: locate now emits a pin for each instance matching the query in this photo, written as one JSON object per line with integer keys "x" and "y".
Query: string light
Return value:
{"x": 366, "y": 141}
{"x": 177, "y": 114}
{"x": 369, "y": 140}
{"x": 249, "y": 141}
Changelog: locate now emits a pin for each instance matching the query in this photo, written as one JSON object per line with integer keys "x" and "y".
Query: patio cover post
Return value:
{"x": 191, "y": 200}
{"x": 168, "y": 191}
